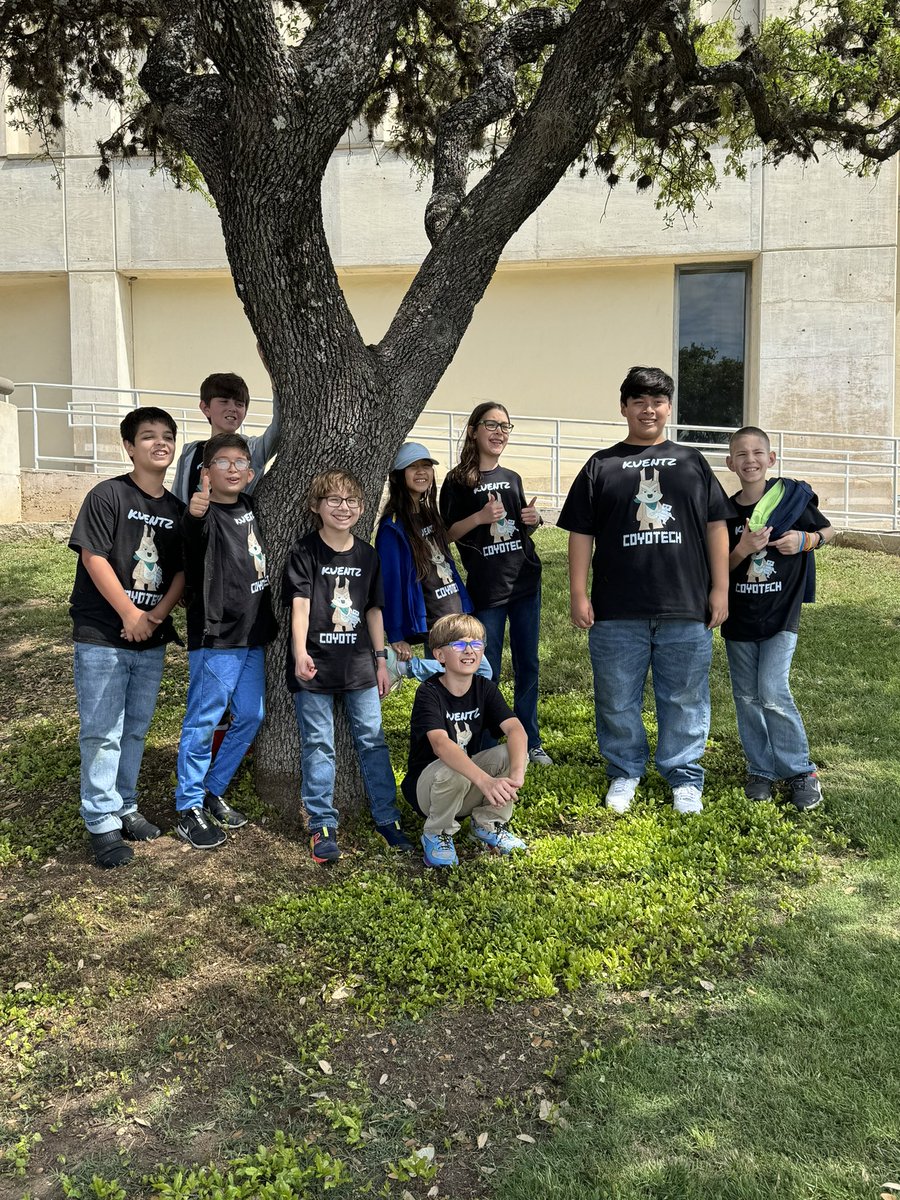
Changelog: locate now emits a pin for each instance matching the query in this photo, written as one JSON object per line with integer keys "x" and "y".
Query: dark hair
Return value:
{"x": 749, "y": 431}
{"x": 400, "y": 505}
{"x": 467, "y": 471}
{"x": 223, "y": 441}
{"x": 646, "y": 381}
{"x": 325, "y": 483}
{"x": 227, "y": 386}
{"x": 132, "y": 421}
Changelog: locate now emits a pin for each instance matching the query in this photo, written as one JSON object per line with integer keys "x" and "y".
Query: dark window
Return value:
{"x": 712, "y": 319}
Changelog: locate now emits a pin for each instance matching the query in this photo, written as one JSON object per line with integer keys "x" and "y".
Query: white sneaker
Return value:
{"x": 687, "y": 799}
{"x": 620, "y": 794}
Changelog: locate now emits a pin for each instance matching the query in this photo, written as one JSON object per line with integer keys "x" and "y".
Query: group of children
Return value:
{"x": 662, "y": 535}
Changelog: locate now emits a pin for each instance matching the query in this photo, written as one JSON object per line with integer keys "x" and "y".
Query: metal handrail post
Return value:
{"x": 34, "y": 425}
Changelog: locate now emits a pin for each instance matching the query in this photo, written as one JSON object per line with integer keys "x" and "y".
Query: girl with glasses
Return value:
{"x": 484, "y": 507}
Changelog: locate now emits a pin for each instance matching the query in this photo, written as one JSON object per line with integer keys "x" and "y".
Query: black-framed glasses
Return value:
{"x": 493, "y": 426}
{"x": 352, "y": 502}
{"x": 466, "y": 644}
{"x": 225, "y": 464}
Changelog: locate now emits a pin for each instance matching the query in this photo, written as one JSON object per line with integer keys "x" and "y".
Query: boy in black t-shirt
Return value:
{"x": 229, "y": 621}
{"x": 332, "y": 585}
{"x": 128, "y": 579}
{"x": 653, "y": 514}
{"x": 772, "y": 572}
{"x": 449, "y": 713}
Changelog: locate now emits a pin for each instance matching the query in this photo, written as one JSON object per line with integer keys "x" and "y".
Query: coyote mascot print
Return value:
{"x": 652, "y": 513}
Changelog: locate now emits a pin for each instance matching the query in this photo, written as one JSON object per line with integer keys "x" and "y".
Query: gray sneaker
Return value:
{"x": 806, "y": 791}
{"x": 537, "y": 754}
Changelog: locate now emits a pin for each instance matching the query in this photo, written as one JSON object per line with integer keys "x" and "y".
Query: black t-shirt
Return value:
{"x": 229, "y": 601}
{"x": 500, "y": 559}
{"x": 439, "y": 589}
{"x": 195, "y": 469}
{"x": 139, "y": 536}
{"x": 765, "y": 591}
{"x": 647, "y": 508}
{"x": 341, "y": 586}
{"x": 464, "y": 718}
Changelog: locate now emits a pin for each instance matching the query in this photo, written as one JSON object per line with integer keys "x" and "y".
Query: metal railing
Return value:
{"x": 856, "y": 476}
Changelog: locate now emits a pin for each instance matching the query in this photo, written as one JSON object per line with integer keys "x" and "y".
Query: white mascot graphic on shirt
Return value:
{"x": 441, "y": 565}
{"x": 463, "y": 735}
{"x": 760, "y": 567}
{"x": 147, "y": 573}
{"x": 502, "y": 530}
{"x": 256, "y": 553}
{"x": 345, "y": 617}
{"x": 651, "y": 513}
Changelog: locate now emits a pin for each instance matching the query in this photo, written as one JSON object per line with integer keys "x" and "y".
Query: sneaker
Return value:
{"x": 138, "y": 829}
{"x": 395, "y": 837}
{"x": 758, "y": 787}
{"x": 215, "y": 809}
{"x": 620, "y": 794}
{"x": 498, "y": 839}
{"x": 324, "y": 847}
{"x": 806, "y": 791}
{"x": 537, "y": 754}
{"x": 109, "y": 850}
{"x": 687, "y": 799}
{"x": 194, "y": 828}
{"x": 397, "y": 671}
{"x": 439, "y": 850}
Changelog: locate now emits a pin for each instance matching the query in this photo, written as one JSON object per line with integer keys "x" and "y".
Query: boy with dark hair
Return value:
{"x": 224, "y": 400}
{"x": 772, "y": 537}
{"x": 450, "y": 712}
{"x": 229, "y": 621}
{"x": 128, "y": 579}
{"x": 332, "y": 585}
{"x": 653, "y": 515}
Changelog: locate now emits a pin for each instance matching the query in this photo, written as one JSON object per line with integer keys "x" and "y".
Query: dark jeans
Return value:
{"x": 524, "y": 617}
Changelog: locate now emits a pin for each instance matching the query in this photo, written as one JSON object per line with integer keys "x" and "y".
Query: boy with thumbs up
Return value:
{"x": 229, "y": 621}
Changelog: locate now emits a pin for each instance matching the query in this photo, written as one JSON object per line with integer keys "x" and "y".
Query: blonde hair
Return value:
{"x": 327, "y": 483}
{"x": 454, "y": 627}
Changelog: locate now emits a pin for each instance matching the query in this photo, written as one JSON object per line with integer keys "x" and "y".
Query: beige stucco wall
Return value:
{"x": 10, "y": 487}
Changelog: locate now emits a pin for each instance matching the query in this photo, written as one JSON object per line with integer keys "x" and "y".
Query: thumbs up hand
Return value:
{"x": 493, "y": 510}
{"x": 530, "y": 515}
{"x": 199, "y": 504}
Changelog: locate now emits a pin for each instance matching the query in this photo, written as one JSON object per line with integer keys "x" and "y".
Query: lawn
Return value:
{"x": 641, "y": 1007}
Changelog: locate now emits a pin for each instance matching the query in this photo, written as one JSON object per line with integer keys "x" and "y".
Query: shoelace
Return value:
{"x": 445, "y": 841}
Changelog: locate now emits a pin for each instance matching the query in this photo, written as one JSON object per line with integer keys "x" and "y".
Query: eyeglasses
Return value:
{"x": 466, "y": 644}
{"x": 226, "y": 464}
{"x": 493, "y": 426}
{"x": 352, "y": 502}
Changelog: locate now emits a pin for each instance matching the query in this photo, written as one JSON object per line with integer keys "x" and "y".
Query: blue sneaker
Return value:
{"x": 498, "y": 839}
{"x": 395, "y": 837}
{"x": 324, "y": 847}
{"x": 439, "y": 850}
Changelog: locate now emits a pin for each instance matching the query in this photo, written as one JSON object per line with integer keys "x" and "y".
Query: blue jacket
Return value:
{"x": 404, "y": 600}
{"x": 797, "y": 496}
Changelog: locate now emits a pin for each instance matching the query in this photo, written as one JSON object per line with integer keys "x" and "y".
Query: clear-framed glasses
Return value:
{"x": 493, "y": 426}
{"x": 466, "y": 644}
{"x": 227, "y": 464}
{"x": 352, "y": 502}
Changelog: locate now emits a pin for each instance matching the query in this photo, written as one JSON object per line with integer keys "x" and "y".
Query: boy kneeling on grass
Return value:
{"x": 450, "y": 713}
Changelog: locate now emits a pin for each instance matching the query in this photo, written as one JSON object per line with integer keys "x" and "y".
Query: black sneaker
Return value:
{"x": 110, "y": 851}
{"x": 324, "y": 847}
{"x": 395, "y": 837}
{"x": 138, "y": 829}
{"x": 197, "y": 831}
{"x": 758, "y": 787}
{"x": 223, "y": 814}
{"x": 806, "y": 791}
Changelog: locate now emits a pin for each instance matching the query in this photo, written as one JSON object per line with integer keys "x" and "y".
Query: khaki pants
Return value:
{"x": 444, "y": 795}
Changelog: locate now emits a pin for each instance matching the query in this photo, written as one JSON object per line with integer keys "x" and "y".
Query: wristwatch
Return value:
{"x": 381, "y": 654}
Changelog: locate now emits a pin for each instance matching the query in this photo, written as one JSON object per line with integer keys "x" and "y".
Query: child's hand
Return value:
{"x": 403, "y": 650}
{"x": 753, "y": 540}
{"x": 304, "y": 667}
{"x": 199, "y": 504}
{"x": 582, "y": 612}
{"x": 493, "y": 510}
{"x": 382, "y": 678}
{"x": 499, "y": 792}
{"x": 137, "y": 627}
{"x": 790, "y": 542}
{"x": 530, "y": 515}
{"x": 718, "y": 607}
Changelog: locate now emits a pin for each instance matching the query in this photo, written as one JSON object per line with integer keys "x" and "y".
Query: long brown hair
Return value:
{"x": 467, "y": 471}
{"x": 401, "y": 507}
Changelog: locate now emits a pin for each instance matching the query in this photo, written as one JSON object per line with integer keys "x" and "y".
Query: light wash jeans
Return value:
{"x": 524, "y": 617}
{"x": 231, "y": 677}
{"x": 769, "y": 722}
{"x": 680, "y": 654}
{"x": 315, "y": 716}
{"x": 116, "y": 690}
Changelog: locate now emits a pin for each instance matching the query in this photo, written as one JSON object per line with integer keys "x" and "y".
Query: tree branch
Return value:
{"x": 242, "y": 40}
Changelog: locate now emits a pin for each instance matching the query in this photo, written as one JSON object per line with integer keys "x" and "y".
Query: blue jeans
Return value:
{"x": 426, "y": 668}
{"x": 524, "y": 630}
{"x": 680, "y": 654}
{"x": 315, "y": 716}
{"x": 116, "y": 690}
{"x": 769, "y": 722}
{"x": 219, "y": 679}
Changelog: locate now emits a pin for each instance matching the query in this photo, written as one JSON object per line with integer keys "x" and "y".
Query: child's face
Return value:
{"x": 465, "y": 661}
{"x": 647, "y": 417}
{"x": 491, "y": 442}
{"x": 229, "y": 474}
{"x": 339, "y": 511}
{"x": 419, "y": 477}
{"x": 750, "y": 458}
{"x": 225, "y": 416}
{"x": 153, "y": 447}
